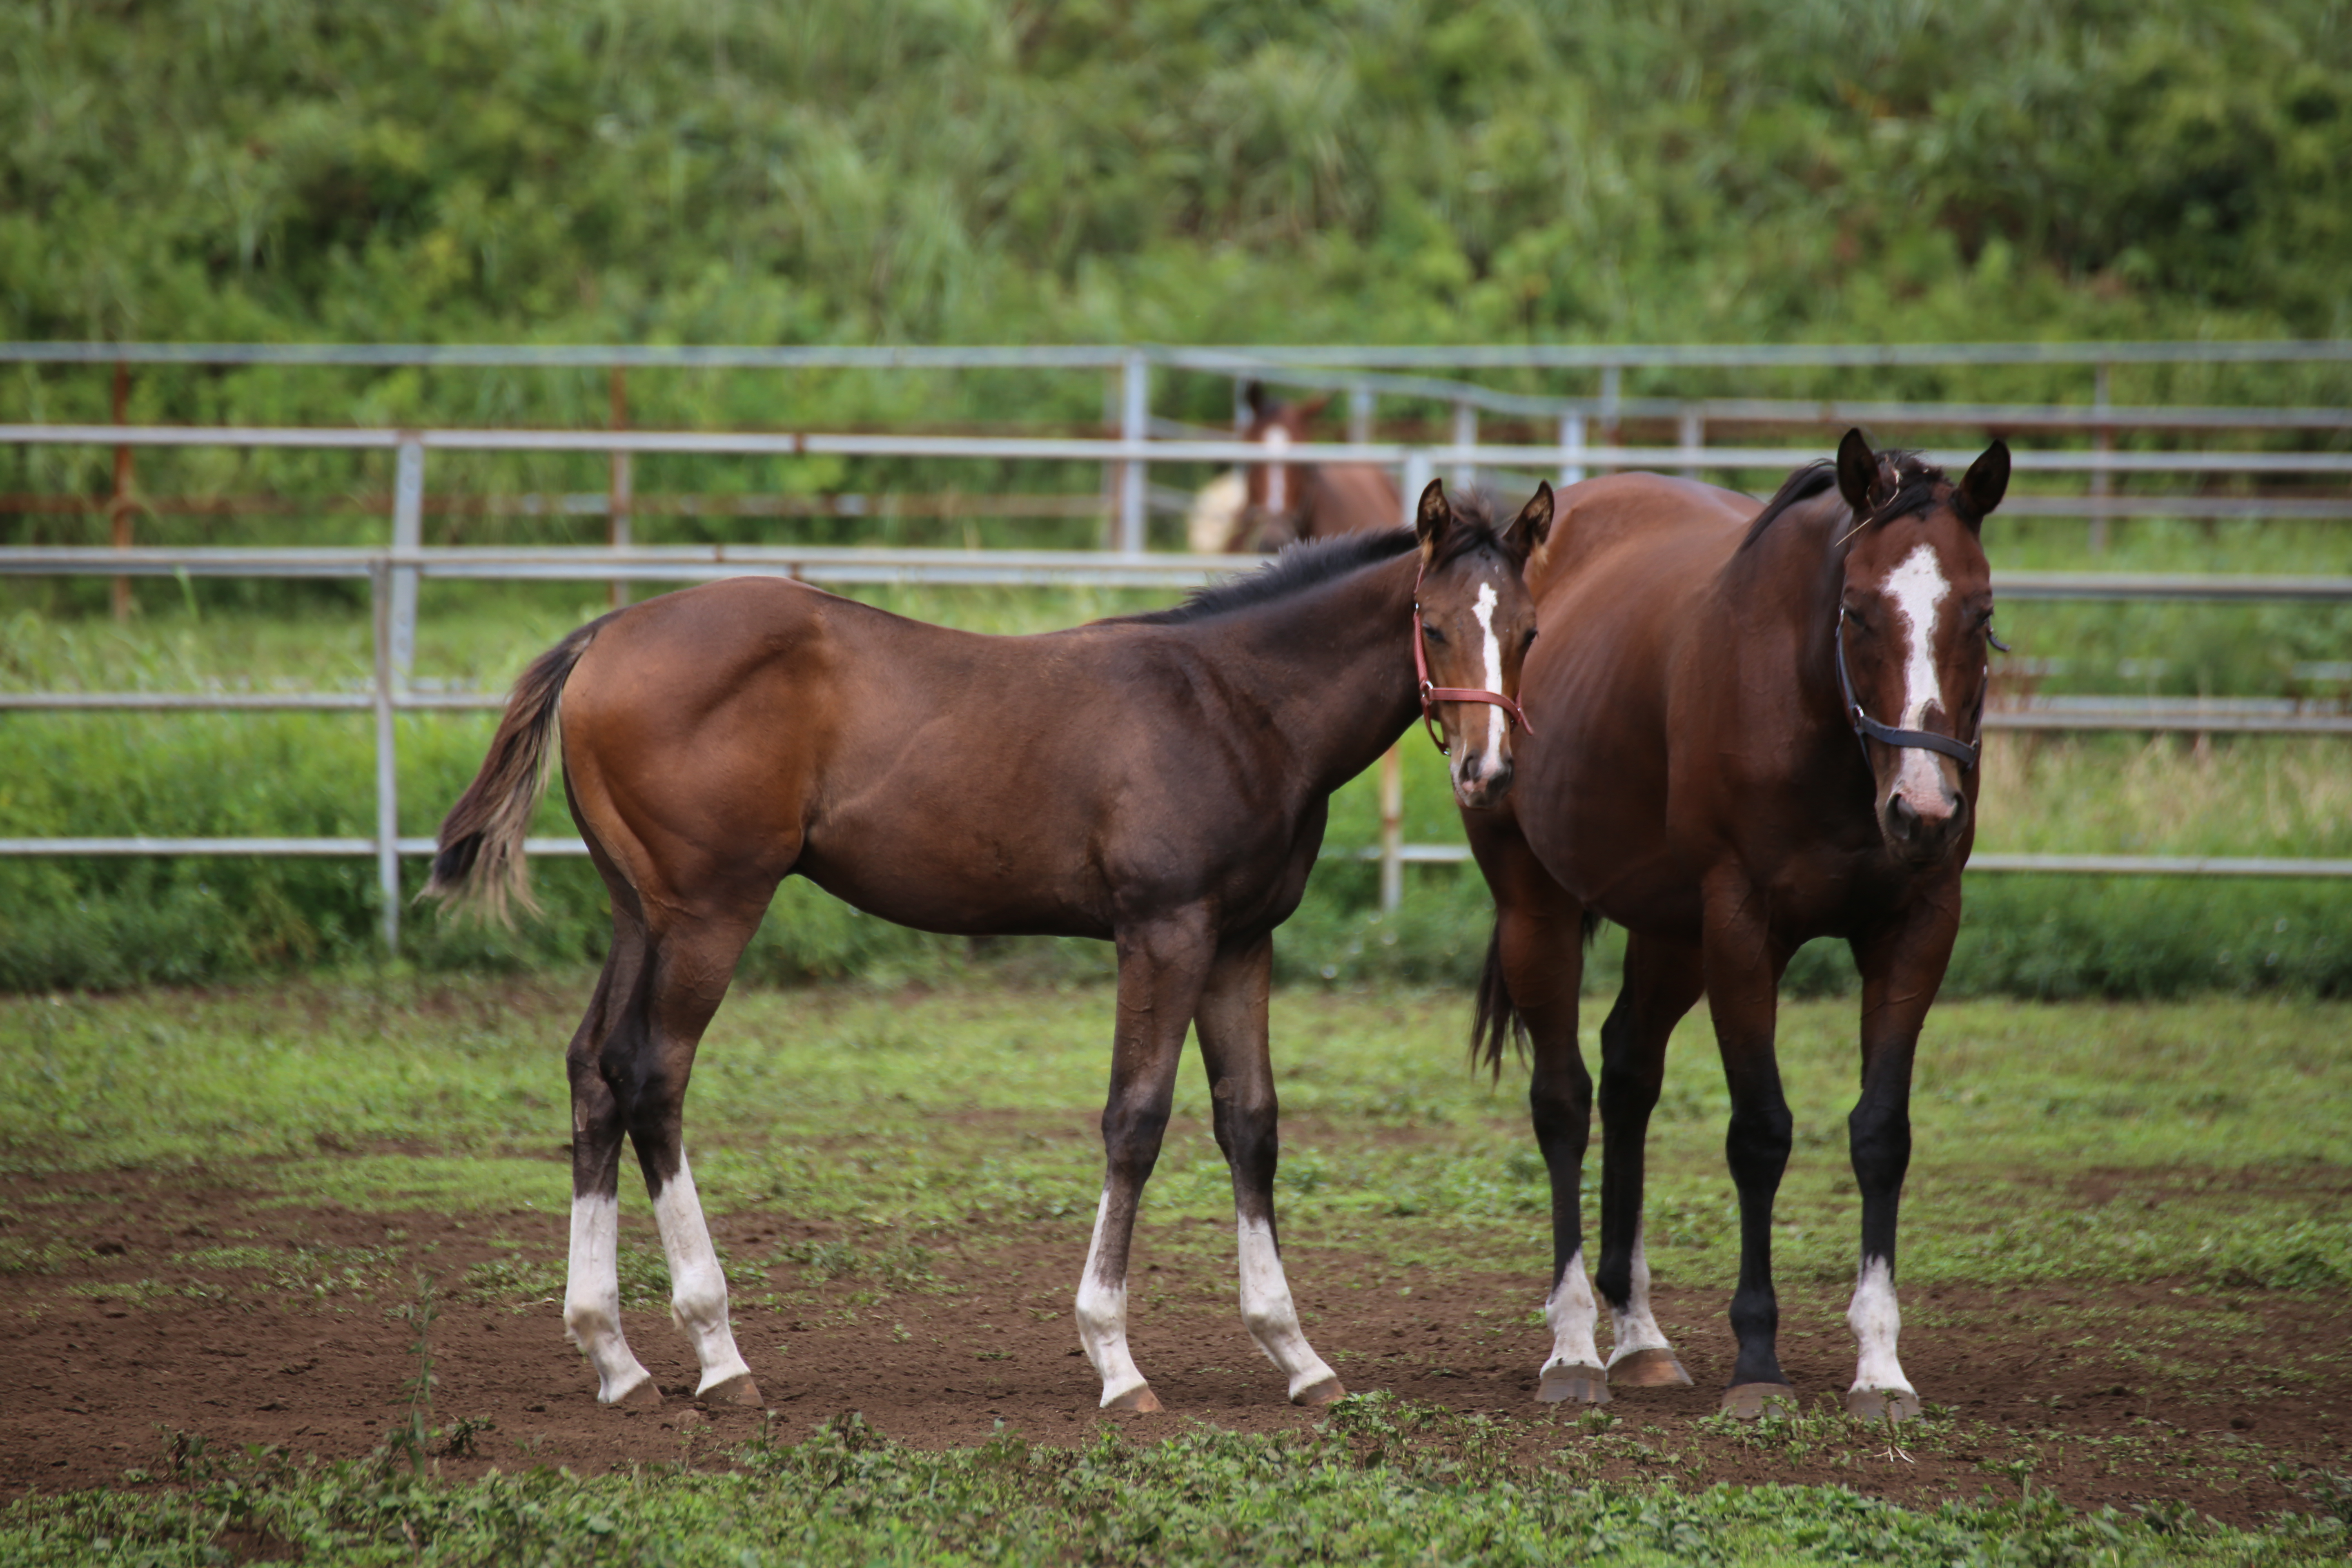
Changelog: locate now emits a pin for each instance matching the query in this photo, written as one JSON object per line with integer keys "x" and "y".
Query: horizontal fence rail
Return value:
{"x": 1586, "y": 430}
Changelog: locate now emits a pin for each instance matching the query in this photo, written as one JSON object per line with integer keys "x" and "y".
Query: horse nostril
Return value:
{"x": 1903, "y": 815}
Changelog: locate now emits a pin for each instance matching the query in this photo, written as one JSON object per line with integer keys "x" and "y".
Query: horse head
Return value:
{"x": 1476, "y": 620}
{"x": 1274, "y": 510}
{"x": 1913, "y": 621}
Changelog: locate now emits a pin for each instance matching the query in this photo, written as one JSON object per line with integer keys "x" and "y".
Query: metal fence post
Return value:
{"x": 622, "y": 485}
{"x": 1134, "y": 426}
{"x": 1360, "y": 403}
{"x": 1392, "y": 831}
{"x": 383, "y": 586}
{"x": 1571, "y": 449}
{"x": 407, "y": 538}
{"x": 1613, "y": 393}
{"x": 1690, "y": 435}
{"x": 1417, "y": 468}
{"x": 1465, "y": 434}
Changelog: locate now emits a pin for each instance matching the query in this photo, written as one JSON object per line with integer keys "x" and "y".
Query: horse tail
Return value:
{"x": 1496, "y": 1020}
{"x": 481, "y": 858}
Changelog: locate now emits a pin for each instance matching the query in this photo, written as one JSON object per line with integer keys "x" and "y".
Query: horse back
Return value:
{"x": 1350, "y": 497}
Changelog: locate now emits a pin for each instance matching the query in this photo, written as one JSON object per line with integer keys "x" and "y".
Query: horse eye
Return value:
{"x": 1529, "y": 640}
{"x": 1432, "y": 634}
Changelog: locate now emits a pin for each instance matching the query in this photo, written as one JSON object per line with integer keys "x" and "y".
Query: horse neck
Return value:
{"x": 1780, "y": 595}
{"x": 1332, "y": 667}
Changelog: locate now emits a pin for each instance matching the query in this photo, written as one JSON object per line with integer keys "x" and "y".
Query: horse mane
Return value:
{"x": 1301, "y": 566}
{"x": 1918, "y": 484}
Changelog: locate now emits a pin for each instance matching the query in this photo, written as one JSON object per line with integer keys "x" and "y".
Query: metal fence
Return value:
{"x": 394, "y": 574}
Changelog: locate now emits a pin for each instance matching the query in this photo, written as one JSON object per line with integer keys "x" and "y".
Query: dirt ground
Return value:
{"x": 97, "y": 1380}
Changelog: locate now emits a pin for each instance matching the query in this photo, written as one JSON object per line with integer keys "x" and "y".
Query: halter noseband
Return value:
{"x": 1432, "y": 695}
{"x": 1886, "y": 735}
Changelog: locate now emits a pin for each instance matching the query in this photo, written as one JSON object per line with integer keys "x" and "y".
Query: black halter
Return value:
{"x": 1867, "y": 729}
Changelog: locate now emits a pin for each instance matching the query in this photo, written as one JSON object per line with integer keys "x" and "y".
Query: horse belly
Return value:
{"x": 956, "y": 883}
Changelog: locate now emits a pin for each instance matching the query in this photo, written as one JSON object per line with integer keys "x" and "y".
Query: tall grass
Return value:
{"x": 113, "y": 923}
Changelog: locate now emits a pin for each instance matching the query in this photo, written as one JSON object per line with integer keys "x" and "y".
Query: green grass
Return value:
{"x": 1379, "y": 1481}
{"x": 978, "y": 1105}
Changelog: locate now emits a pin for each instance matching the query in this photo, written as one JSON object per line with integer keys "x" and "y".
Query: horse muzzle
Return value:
{"x": 1923, "y": 836}
{"x": 1480, "y": 783}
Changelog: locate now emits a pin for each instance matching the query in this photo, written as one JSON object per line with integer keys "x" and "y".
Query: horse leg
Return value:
{"x": 592, "y": 1289}
{"x": 1902, "y": 967}
{"x": 1162, "y": 968}
{"x": 1743, "y": 965}
{"x": 690, "y": 966}
{"x": 1662, "y": 980}
{"x": 1539, "y": 960}
{"x": 1232, "y": 1023}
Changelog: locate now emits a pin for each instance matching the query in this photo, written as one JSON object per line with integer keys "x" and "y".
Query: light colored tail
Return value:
{"x": 481, "y": 860}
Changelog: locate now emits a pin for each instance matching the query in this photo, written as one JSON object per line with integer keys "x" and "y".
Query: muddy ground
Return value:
{"x": 108, "y": 1355}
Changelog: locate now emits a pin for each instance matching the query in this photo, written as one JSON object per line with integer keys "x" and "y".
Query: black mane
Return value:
{"x": 1301, "y": 566}
{"x": 1298, "y": 568}
{"x": 1918, "y": 484}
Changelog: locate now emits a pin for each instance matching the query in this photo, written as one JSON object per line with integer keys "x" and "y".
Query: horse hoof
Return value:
{"x": 737, "y": 1390}
{"x": 1327, "y": 1392}
{"x": 1581, "y": 1381}
{"x": 1650, "y": 1369}
{"x": 1882, "y": 1405}
{"x": 643, "y": 1395}
{"x": 1748, "y": 1401}
{"x": 1139, "y": 1399}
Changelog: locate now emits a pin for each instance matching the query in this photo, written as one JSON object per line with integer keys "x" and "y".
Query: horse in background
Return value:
{"x": 1158, "y": 781}
{"x": 1703, "y": 767}
{"x": 1287, "y": 502}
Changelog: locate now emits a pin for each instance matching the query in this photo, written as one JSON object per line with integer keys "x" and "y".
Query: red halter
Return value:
{"x": 1432, "y": 695}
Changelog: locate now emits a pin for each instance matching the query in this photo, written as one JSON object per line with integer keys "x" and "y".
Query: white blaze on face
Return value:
{"x": 1636, "y": 1326}
{"x": 1278, "y": 475}
{"x": 1102, "y": 1319}
{"x": 592, "y": 1298}
{"x": 1572, "y": 1315}
{"x": 1269, "y": 1315}
{"x": 1490, "y": 653}
{"x": 698, "y": 1289}
{"x": 1876, "y": 1320}
{"x": 1917, "y": 587}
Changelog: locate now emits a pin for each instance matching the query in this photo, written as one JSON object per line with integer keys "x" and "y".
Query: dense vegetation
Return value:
{"x": 952, "y": 170}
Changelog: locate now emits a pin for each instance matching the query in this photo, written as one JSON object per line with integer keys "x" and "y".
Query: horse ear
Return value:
{"x": 1431, "y": 516}
{"x": 1985, "y": 482}
{"x": 1313, "y": 406}
{"x": 1254, "y": 397}
{"x": 1532, "y": 526}
{"x": 1857, "y": 471}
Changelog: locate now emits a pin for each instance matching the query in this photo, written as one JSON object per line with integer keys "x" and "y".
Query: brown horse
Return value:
{"x": 1291, "y": 502}
{"x": 1161, "y": 781}
{"x": 1703, "y": 767}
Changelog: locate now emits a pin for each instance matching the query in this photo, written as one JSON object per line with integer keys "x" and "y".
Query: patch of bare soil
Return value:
{"x": 2046, "y": 1378}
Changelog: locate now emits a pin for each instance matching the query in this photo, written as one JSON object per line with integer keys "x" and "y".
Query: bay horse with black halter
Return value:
{"x": 1716, "y": 772}
{"x": 1161, "y": 781}
{"x": 1287, "y": 502}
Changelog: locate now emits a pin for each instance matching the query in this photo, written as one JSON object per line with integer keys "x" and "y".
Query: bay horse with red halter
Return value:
{"x": 1286, "y": 502}
{"x": 1745, "y": 728}
{"x": 1160, "y": 781}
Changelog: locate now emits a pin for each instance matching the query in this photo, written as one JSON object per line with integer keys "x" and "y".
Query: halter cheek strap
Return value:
{"x": 1867, "y": 729}
{"x": 1431, "y": 696}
